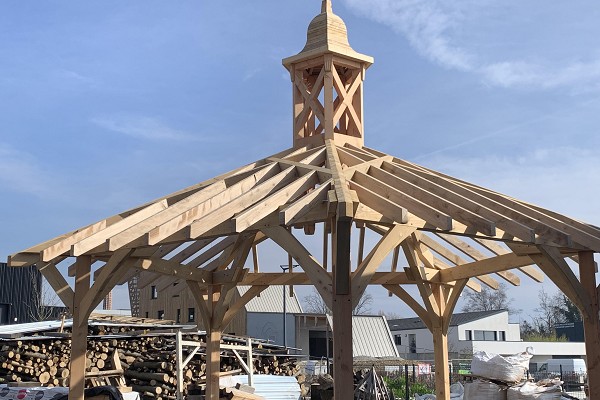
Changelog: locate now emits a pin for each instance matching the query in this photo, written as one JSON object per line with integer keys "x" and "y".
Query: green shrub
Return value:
{"x": 398, "y": 386}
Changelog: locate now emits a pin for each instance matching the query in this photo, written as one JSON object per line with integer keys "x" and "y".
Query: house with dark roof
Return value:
{"x": 469, "y": 332}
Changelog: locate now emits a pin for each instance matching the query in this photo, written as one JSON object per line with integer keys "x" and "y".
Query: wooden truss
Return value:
{"x": 452, "y": 234}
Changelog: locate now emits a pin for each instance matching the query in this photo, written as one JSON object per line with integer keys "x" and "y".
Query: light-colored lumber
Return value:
{"x": 224, "y": 209}
{"x": 497, "y": 249}
{"x": 303, "y": 205}
{"x": 499, "y": 205}
{"x": 307, "y": 261}
{"x": 417, "y": 207}
{"x": 110, "y": 275}
{"x": 172, "y": 268}
{"x": 455, "y": 210}
{"x": 80, "y": 328}
{"x": 485, "y": 266}
{"x": 362, "y": 276}
{"x": 100, "y": 237}
{"x": 272, "y": 203}
{"x": 61, "y": 287}
{"x": 411, "y": 302}
{"x": 509, "y": 225}
{"x": 380, "y": 204}
{"x": 478, "y": 256}
{"x": 345, "y": 203}
{"x": 239, "y": 304}
{"x": 556, "y": 268}
{"x": 591, "y": 323}
{"x": 183, "y": 213}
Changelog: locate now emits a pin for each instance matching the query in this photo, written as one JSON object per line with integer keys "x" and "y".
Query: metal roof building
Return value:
{"x": 371, "y": 335}
{"x": 271, "y": 300}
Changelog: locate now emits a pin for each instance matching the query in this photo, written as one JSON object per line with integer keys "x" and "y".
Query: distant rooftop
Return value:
{"x": 456, "y": 319}
{"x": 271, "y": 300}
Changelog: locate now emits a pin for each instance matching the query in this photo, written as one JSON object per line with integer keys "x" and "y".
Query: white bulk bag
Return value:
{"x": 456, "y": 393}
{"x": 531, "y": 391}
{"x": 509, "y": 369}
{"x": 483, "y": 390}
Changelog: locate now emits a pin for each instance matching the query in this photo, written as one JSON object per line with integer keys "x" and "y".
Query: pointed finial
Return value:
{"x": 326, "y": 6}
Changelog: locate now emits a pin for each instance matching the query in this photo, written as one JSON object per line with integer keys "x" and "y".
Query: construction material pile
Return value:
{"x": 123, "y": 357}
{"x": 504, "y": 378}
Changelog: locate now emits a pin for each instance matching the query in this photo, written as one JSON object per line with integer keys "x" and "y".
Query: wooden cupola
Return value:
{"x": 327, "y": 77}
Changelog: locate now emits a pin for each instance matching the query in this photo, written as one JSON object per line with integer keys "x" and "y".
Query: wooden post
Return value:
{"x": 591, "y": 323}
{"x": 180, "y": 366}
{"x": 213, "y": 346}
{"x": 442, "y": 370}
{"x": 213, "y": 363}
{"x": 80, "y": 327}
{"x": 342, "y": 314}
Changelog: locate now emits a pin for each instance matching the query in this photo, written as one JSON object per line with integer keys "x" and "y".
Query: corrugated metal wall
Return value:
{"x": 18, "y": 292}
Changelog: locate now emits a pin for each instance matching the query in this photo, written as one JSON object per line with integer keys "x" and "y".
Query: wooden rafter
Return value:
{"x": 475, "y": 254}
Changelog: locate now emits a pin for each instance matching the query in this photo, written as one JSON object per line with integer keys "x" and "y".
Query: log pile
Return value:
{"x": 147, "y": 362}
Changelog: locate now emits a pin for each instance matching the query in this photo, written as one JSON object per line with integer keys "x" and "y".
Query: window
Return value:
{"x": 153, "y": 292}
{"x": 191, "y": 314}
{"x": 161, "y": 314}
{"x": 468, "y": 335}
{"x": 398, "y": 339}
{"x": 178, "y": 320}
{"x": 486, "y": 335}
{"x": 412, "y": 343}
{"x": 502, "y": 336}
{"x": 147, "y": 314}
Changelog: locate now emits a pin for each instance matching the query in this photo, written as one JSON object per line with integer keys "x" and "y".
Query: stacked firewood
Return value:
{"x": 147, "y": 362}
{"x": 45, "y": 362}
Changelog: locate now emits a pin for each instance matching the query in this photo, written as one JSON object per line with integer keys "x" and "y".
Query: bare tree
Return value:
{"x": 488, "y": 300}
{"x": 389, "y": 314}
{"x": 364, "y": 305}
{"x": 314, "y": 303}
{"x": 568, "y": 310}
{"x": 547, "y": 313}
{"x": 44, "y": 299}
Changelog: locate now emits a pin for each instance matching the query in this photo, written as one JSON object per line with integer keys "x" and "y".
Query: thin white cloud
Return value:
{"x": 21, "y": 172}
{"x": 435, "y": 29}
{"x": 519, "y": 73}
{"x": 509, "y": 129}
{"x": 424, "y": 23}
{"x": 563, "y": 179}
{"x": 143, "y": 127}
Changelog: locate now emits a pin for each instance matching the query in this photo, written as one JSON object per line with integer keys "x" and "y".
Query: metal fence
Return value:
{"x": 408, "y": 380}
{"x": 419, "y": 378}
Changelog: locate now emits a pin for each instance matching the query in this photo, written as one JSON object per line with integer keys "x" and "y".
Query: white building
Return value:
{"x": 469, "y": 332}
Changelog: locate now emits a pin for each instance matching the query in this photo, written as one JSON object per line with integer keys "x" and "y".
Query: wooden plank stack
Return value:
{"x": 147, "y": 361}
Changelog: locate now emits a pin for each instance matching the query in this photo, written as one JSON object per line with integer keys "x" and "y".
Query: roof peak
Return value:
{"x": 326, "y": 6}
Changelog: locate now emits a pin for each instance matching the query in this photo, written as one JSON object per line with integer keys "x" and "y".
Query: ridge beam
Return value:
{"x": 345, "y": 203}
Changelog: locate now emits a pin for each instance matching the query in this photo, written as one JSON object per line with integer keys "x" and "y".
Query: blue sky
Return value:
{"x": 107, "y": 104}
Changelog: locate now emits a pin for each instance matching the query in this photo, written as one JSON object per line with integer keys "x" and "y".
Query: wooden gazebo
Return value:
{"x": 451, "y": 233}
